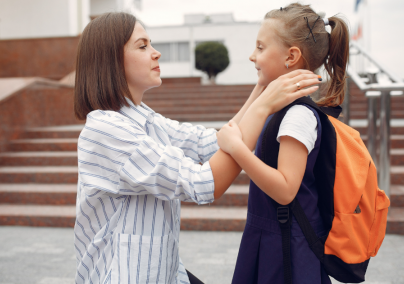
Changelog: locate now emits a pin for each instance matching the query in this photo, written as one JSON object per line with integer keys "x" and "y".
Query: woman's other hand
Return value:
{"x": 229, "y": 137}
{"x": 285, "y": 90}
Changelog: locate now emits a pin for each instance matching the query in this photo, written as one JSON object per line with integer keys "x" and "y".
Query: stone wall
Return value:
{"x": 51, "y": 58}
{"x": 36, "y": 106}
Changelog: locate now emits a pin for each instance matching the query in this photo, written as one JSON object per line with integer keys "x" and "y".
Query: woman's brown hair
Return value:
{"x": 304, "y": 28}
{"x": 100, "y": 73}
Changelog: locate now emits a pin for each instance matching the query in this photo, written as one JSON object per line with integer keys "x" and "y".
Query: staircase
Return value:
{"x": 38, "y": 172}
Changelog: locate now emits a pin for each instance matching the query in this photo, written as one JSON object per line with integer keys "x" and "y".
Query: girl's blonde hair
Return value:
{"x": 304, "y": 28}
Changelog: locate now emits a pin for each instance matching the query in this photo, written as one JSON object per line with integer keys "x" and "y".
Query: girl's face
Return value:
{"x": 141, "y": 64}
{"x": 270, "y": 55}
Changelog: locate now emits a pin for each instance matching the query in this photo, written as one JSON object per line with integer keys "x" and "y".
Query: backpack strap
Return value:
{"x": 269, "y": 154}
{"x": 285, "y": 222}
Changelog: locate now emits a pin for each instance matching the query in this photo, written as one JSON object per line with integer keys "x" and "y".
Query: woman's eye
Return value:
{"x": 143, "y": 47}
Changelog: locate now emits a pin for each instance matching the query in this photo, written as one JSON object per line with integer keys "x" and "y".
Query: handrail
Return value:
{"x": 374, "y": 91}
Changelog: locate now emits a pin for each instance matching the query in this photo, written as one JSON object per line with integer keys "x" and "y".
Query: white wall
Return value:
{"x": 42, "y": 18}
{"x": 239, "y": 38}
{"x": 99, "y": 7}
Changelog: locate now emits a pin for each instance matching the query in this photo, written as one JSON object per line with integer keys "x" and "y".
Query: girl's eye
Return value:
{"x": 259, "y": 47}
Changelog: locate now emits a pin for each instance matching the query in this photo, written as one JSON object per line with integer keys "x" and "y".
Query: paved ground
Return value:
{"x": 46, "y": 256}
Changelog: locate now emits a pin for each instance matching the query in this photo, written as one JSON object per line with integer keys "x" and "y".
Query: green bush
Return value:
{"x": 211, "y": 58}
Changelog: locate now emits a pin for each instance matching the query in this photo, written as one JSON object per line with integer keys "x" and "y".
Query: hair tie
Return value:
{"x": 326, "y": 21}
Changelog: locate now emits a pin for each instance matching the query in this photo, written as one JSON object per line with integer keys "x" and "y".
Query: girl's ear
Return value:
{"x": 294, "y": 56}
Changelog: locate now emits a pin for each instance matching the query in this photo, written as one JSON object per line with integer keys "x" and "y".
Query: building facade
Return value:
{"x": 55, "y": 18}
{"x": 177, "y": 45}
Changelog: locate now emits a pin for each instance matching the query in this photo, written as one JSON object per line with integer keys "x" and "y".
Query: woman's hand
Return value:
{"x": 284, "y": 90}
{"x": 229, "y": 137}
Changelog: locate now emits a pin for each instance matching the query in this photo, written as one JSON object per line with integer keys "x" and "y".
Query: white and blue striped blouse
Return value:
{"x": 134, "y": 168}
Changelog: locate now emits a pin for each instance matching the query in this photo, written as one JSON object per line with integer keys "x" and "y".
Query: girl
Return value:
{"x": 290, "y": 38}
{"x": 136, "y": 165}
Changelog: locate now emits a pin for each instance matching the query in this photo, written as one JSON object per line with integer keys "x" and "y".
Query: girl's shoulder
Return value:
{"x": 300, "y": 114}
{"x": 300, "y": 123}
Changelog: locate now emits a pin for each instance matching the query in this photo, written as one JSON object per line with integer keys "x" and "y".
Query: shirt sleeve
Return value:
{"x": 197, "y": 142}
{"x": 301, "y": 124}
{"x": 120, "y": 158}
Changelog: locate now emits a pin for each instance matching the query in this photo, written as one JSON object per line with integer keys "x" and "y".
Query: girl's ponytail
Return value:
{"x": 336, "y": 62}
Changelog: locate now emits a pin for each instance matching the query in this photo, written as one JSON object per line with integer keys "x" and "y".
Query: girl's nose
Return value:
{"x": 252, "y": 57}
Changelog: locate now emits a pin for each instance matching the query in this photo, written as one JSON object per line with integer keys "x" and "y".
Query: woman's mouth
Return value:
{"x": 157, "y": 68}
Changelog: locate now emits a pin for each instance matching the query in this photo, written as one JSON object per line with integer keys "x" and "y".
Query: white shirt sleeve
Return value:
{"x": 197, "y": 142}
{"x": 120, "y": 158}
{"x": 301, "y": 124}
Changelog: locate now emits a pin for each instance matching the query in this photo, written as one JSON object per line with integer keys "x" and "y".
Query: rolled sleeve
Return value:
{"x": 166, "y": 173}
{"x": 197, "y": 142}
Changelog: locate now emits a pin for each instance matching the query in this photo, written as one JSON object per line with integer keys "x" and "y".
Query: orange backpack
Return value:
{"x": 353, "y": 208}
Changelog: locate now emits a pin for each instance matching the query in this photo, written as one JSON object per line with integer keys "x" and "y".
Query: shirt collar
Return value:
{"x": 139, "y": 113}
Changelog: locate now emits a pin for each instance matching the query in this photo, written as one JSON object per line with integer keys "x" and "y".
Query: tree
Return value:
{"x": 211, "y": 58}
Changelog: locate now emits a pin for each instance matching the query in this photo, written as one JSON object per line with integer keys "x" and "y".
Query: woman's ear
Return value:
{"x": 294, "y": 57}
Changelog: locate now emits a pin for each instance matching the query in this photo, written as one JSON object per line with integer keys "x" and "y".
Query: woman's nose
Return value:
{"x": 156, "y": 55}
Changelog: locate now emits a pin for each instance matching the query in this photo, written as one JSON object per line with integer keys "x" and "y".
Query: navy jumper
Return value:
{"x": 260, "y": 255}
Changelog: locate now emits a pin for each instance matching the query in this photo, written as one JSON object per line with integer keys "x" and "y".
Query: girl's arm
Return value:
{"x": 277, "y": 95}
{"x": 280, "y": 184}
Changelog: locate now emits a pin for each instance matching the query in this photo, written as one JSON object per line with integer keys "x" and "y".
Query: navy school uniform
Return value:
{"x": 260, "y": 256}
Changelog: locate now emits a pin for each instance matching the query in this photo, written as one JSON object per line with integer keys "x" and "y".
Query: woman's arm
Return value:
{"x": 277, "y": 95}
{"x": 253, "y": 96}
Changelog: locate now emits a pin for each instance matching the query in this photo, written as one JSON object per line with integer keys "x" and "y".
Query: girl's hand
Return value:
{"x": 284, "y": 90}
{"x": 229, "y": 137}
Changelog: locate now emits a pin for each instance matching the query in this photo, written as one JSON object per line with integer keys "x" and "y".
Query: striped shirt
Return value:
{"x": 135, "y": 166}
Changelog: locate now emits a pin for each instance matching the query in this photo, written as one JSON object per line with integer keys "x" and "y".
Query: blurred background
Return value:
{"x": 38, "y": 129}
{"x": 177, "y": 26}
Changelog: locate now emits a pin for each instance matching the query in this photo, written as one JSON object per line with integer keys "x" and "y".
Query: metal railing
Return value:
{"x": 379, "y": 85}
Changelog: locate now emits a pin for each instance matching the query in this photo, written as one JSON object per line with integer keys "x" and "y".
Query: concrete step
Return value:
{"x": 60, "y": 144}
{"x": 397, "y": 175}
{"x": 200, "y": 116}
{"x": 192, "y": 218}
{"x": 397, "y": 196}
{"x": 202, "y": 102}
{"x": 395, "y": 221}
{"x": 65, "y": 194}
{"x": 54, "y": 174}
{"x": 38, "y": 158}
{"x": 213, "y": 218}
{"x": 56, "y": 194}
{"x": 396, "y": 141}
{"x": 397, "y": 157}
{"x": 363, "y": 114}
{"x": 46, "y": 194}
{"x": 68, "y": 174}
{"x": 393, "y": 130}
{"x": 49, "y": 134}
{"x": 37, "y": 215}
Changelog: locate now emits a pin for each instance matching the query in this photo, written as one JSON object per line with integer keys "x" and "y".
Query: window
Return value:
{"x": 173, "y": 51}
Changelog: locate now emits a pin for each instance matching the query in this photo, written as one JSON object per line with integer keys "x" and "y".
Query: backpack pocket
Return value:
{"x": 378, "y": 229}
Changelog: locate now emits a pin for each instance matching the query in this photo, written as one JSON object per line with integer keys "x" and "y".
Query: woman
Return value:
{"x": 135, "y": 166}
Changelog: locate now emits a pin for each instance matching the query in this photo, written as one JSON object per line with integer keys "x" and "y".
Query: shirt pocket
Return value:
{"x": 144, "y": 259}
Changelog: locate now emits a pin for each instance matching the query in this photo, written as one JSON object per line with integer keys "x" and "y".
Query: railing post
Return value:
{"x": 384, "y": 161}
{"x": 372, "y": 128}
{"x": 372, "y": 115}
{"x": 345, "y": 105}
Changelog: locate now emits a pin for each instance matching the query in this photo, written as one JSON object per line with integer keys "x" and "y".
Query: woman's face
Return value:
{"x": 141, "y": 64}
{"x": 270, "y": 54}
